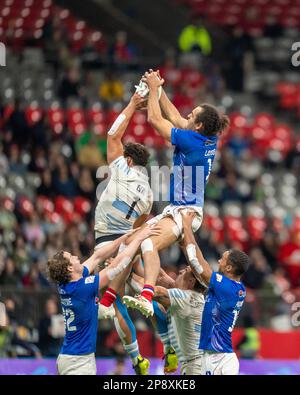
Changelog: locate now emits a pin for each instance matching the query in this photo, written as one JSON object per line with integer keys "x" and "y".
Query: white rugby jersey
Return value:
{"x": 184, "y": 323}
{"x": 126, "y": 197}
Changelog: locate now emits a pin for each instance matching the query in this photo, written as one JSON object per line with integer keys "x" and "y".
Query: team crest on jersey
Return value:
{"x": 195, "y": 302}
{"x": 242, "y": 293}
{"x": 219, "y": 277}
{"x": 89, "y": 280}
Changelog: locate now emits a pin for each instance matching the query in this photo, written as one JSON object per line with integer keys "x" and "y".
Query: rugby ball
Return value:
{"x": 142, "y": 89}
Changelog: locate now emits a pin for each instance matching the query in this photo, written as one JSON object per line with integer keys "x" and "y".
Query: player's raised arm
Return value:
{"x": 118, "y": 128}
{"x": 103, "y": 253}
{"x": 124, "y": 259}
{"x": 199, "y": 265}
{"x": 155, "y": 118}
{"x": 170, "y": 112}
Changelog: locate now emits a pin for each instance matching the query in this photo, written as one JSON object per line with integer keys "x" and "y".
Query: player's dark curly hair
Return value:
{"x": 58, "y": 268}
{"x": 239, "y": 260}
{"x": 213, "y": 122}
{"x": 137, "y": 152}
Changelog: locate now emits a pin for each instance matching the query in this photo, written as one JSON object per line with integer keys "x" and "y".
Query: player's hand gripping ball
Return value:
{"x": 142, "y": 88}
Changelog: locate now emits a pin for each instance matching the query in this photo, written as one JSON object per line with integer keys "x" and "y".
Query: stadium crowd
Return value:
{"x": 48, "y": 184}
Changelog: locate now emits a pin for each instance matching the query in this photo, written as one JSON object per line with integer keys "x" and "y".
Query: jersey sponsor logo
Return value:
{"x": 219, "y": 277}
{"x": 89, "y": 280}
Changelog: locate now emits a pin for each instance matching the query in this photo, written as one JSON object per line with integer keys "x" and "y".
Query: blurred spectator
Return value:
{"x": 195, "y": 37}
{"x": 86, "y": 185}
{"x": 15, "y": 162}
{"x": 289, "y": 257}
{"x": 121, "y": 52}
{"x": 238, "y": 143}
{"x": 63, "y": 182}
{"x": 18, "y": 125}
{"x": 111, "y": 89}
{"x": 51, "y": 330}
{"x": 70, "y": 86}
{"x": 89, "y": 55}
{"x": 272, "y": 28}
{"x": 258, "y": 270}
{"x": 10, "y": 275}
{"x": 230, "y": 191}
{"x": 249, "y": 345}
{"x": 46, "y": 187}
{"x": 20, "y": 337}
{"x": 89, "y": 153}
{"x": 33, "y": 230}
{"x": 3, "y": 161}
{"x": 239, "y": 44}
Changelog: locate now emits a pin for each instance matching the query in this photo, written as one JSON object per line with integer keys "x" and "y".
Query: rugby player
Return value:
{"x": 223, "y": 303}
{"x": 195, "y": 140}
{"x": 184, "y": 303}
{"x": 125, "y": 203}
{"x": 79, "y": 291}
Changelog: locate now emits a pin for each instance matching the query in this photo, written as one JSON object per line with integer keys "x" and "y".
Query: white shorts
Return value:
{"x": 192, "y": 368}
{"x": 76, "y": 364}
{"x": 214, "y": 363}
{"x": 173, "y": 211}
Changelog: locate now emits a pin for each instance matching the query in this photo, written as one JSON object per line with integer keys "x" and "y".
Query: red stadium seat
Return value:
{"x": 33, "y": 114}
{"x": 76, "y": 121}
{"x": 63, "y": 205}
{"x": 82, "y": 206}
{"x": 44, "y": 204}
{"x": 56, "y": 119}
{"x": 25, "y": 206}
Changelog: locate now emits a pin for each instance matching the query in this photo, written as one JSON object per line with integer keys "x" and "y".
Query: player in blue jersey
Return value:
{"x": 195, "y": 140}
{"x": 79, "y": 292}
{"x": 223, "y": 303}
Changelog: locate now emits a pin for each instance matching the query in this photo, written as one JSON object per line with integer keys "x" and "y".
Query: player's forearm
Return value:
{"x": 120, "y": 125}
{"x": 105, "y": 252}
{"x": 161, "y": 295}
{"x": 199, "y": 265}
{"x": 154, "y": 111}
{"x": 165, "y": 280}
{"x": 170, "y": 111}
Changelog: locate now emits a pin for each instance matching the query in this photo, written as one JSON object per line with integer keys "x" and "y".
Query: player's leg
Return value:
{"x": 159, "y": 321}
{"x": 106, "y": 308}
{"x": 192, "y": 368}
{"x": 76, "y": 365}
{"x": 127, "y": 333}
{"x": 229, "y": 365}
{"x": 150, "y": 248}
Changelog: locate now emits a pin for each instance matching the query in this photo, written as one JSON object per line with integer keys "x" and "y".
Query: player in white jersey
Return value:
{"x": 125, "y": 203}
{"x": 127, "y": 196}
{"x": 184, "y": 302}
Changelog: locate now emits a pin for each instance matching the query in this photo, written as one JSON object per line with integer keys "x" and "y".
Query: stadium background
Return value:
{"x": 69, "y": 71}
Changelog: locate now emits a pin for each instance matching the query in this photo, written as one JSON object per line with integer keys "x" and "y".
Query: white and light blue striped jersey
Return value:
{"x": 186, "y": 308}
{"x": 126, "y": 197}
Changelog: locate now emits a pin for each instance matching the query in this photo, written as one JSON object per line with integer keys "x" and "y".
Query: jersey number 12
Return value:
{"x": 69, "y": 318}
